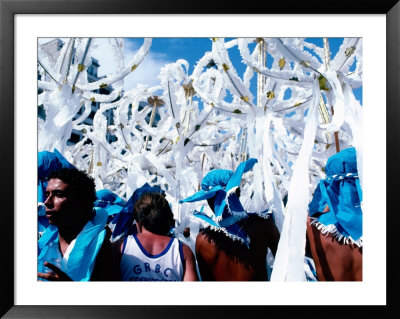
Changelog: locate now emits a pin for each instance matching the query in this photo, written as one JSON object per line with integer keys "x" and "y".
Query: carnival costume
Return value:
{"x": 341, "y": 191}
{"x": 228, "y": 211}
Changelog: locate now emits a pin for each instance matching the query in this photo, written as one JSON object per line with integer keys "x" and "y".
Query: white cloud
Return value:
{"x": 147, "y": 71}
{"x": 110, "y": 63}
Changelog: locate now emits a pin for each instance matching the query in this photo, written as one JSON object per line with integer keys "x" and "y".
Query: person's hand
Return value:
{"x": 56, "y": 275}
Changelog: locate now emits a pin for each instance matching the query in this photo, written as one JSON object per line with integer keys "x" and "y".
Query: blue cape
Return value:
{"x": 228, "y": 211}
{"x": 341, "y": 191}
{"x": 83, "y": 255}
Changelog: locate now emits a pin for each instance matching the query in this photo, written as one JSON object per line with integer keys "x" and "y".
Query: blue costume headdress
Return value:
{"x": 341, "y": 191}
{"x": 110, "y": 202}
{"x": 124, "y": 220}
{"x": 221, "y": 184}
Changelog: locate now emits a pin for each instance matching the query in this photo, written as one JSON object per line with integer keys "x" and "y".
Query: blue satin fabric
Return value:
{"x": 227, "y": 207}
{"x": 83, "y": 255}
{"x": 341, "y": 191}
{"x": 110, "y": 202}
{"x": 124, "y": 220}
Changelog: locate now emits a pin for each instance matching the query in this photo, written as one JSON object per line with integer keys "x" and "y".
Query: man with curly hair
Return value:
{"x": 77, "y": 230}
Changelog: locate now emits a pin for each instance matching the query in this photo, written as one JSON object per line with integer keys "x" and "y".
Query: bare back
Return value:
{"x": 334, "y": 261}
{"x": 153, "y": 244}
{"x": 215, "y": 264}
{"x": 222, "y": 259}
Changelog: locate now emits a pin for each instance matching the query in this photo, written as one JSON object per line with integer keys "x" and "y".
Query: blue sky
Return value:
{"x": 169, "y": 50}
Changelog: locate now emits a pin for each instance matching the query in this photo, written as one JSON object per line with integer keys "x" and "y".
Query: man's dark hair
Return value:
{"x": 153, "y": 212}
{"x": 80, "y": 185}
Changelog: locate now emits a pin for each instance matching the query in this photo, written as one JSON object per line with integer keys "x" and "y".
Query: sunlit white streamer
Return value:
{"x": 289, "y": 259}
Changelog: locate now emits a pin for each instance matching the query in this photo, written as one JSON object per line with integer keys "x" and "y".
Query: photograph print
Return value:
{"x": 200, "y": 159}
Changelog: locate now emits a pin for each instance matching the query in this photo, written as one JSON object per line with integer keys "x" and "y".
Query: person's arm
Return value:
{"x": 273, "y": 237}
{"x": 205, "y": 253}
{"x": 190, "y": 272}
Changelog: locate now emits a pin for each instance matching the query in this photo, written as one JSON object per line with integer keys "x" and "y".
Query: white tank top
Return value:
{"x": 138, "y": 265}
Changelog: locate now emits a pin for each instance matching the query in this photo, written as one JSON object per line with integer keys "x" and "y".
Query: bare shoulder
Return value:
{"x": 187, "y": 251}
{"x": 190, "y": 272}
{"x": 205, "y": 249}
{"x": 334, "y": 260}
{"x": 202, "y": 242}
{"x": 201, "y": 238}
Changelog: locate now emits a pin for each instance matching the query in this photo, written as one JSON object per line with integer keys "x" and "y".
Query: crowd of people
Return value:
{"x": 100, "y": 237}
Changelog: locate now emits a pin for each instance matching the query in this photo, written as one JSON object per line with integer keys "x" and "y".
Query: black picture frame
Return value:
{"x": 8, "y": 10}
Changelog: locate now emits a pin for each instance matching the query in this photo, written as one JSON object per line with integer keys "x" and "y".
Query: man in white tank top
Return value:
{"x": 152, "y": 255}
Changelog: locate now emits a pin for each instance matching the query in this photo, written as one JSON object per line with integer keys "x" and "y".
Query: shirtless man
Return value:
{"x": 334, "y": 224}
{"x": 151, "y": 254}
{"x": 223, "y": 259}
{"x": 238, "y": 250}
{"x": 334, "y": 260}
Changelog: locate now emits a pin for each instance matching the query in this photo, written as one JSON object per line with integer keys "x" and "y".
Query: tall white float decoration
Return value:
{"x": 210, "y": 119}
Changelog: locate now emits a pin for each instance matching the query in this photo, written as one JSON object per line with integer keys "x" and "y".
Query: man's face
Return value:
{"x": 62, "y": 207}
